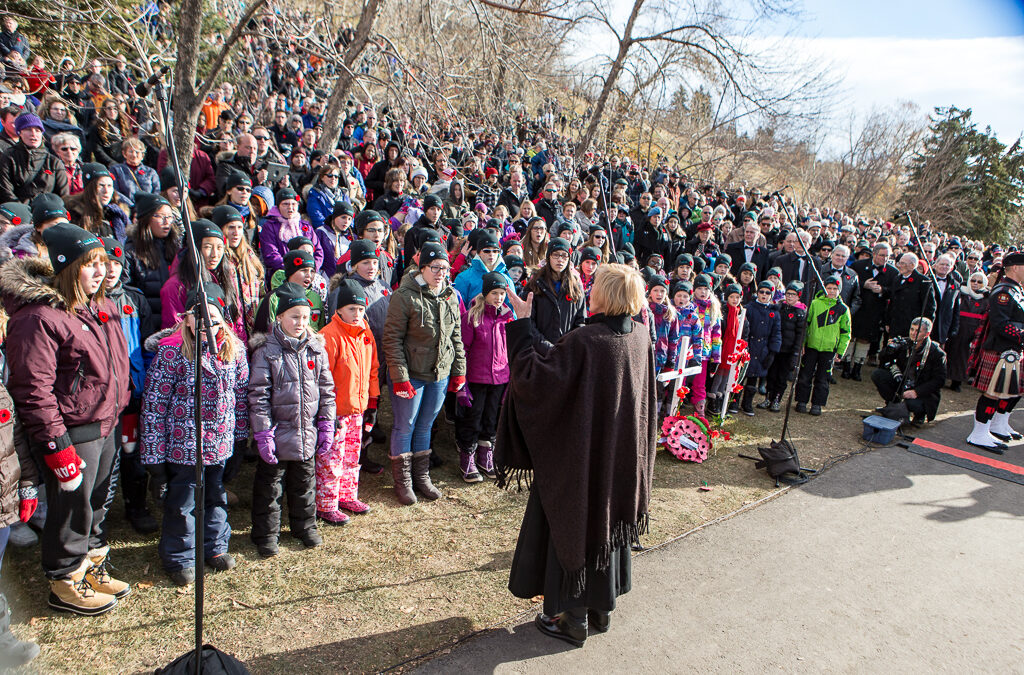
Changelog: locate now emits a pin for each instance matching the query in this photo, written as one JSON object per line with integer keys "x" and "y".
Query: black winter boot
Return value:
{"x": 776, "y": 403}
{"x": 846, "y": 370}
{"x": 855, "y": 372}
{"x": 747, "y": 406}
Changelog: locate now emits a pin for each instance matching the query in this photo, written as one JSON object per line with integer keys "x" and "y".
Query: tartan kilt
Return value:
{"x": 985, "y": 368}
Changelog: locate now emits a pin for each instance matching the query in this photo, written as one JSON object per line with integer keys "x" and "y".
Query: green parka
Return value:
{"x": 423, "y": 332}
{"x": 828, "y": 324}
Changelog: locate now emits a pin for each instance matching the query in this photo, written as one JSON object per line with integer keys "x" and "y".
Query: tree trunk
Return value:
{"x": 186, "y": 105}
{"x": 609, "y": 84}
{"x": 333, "y": 116}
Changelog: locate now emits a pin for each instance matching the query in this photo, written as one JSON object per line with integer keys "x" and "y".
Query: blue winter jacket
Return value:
{"x": 470, "y": 281}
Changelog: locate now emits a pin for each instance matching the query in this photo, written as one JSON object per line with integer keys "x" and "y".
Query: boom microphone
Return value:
{"x": 142, "y": 88}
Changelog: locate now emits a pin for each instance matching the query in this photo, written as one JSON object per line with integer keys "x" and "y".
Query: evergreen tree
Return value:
{"x": 965, "y": 180}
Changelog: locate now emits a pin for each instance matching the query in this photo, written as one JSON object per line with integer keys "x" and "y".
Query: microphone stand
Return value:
{"x": 204, "y": 325}
{"x": 800, "y": 365}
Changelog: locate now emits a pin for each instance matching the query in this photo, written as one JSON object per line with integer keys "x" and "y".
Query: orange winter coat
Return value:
{"x": 352, "y": 358}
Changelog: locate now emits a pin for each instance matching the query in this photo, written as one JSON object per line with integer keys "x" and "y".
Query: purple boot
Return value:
{"x": 485, "y": 458}
{"x": 467, "y": 465}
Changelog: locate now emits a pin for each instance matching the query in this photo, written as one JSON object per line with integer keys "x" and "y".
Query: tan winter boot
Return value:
{"x": 99, "y": 578}
{"x": 73, "y": 594}
{"x": 421, "y": 475}
{"x": 401, "y": 473}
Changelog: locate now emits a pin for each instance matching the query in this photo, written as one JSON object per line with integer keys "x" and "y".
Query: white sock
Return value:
{"x": 1001, "y": 424}
{"x": 981, "y": 435}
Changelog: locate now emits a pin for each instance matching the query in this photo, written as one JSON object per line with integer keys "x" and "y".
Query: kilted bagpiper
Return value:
{"x": 996, "y": 363}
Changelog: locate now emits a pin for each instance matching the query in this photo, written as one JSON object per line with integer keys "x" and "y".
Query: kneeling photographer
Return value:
{"x": 921, "y": 385}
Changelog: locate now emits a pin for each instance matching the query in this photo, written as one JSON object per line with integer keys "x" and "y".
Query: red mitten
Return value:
{"x": 403, "y": 390}
{"x": 456, "y": 382}
{"x": 29, "y": 497}
{"x": 65, "y": 464}
{"x": 372, "y": 404}
{"x": 129, "y": 432}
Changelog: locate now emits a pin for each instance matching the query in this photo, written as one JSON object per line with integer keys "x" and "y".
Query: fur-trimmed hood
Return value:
{"x": 28, "y": 281}
{"x": 153, "y": 341}
{"x": 10, "y": 239}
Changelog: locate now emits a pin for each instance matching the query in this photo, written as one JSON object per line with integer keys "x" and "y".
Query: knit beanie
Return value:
{"x": 236, "y": 179}
{"x": 657, "y": 280}
{"x": 224, "y": 214}
{"x": 26, "y": 121}
{"x": 558, "y": 244}
{"x": 360, "y": 250}
{"x": 17, "y": 213}
{"x": 47, "y": 206}
{"x": 795, "y": 286}
{"x": 284, "y": 194}
{"x": 290, "y": 295}
{"x": 364, "y": 218}
{"x": 486, "y": 240}
{"x": 590, "y": 253}
{"x": 113, "y": 248}
{"x": 432, "y": 200}
{"x": 93, "y": 170}
{"x": 430, "y": 252}
{"x": 350, "y": 292}
{"x": 684, "y": 259}
{"x": 295, "y": 242}
{"x": 214, "y": 296}
{"x": 205, "y": 229}
{"x": 733, "y": 288}
{"x": 748, "y": 267}
{"x": 681, "y": 285}
{"x": 492, "y": 281}
{"x": 514, "y": 261}
{"x": 66, "y": 243}
{"x": 342, "y": 209}
{"x": 167, "y": 178}
{"x": 765, "y": 284}
{"x": 147, "y": 203}
{"x": 702, "y": 281}
{"x": 297, "y": 260}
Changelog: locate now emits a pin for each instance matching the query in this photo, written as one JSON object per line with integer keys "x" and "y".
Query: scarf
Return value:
{"x": 591, "y": 513}
{"x": 290, "y": 228}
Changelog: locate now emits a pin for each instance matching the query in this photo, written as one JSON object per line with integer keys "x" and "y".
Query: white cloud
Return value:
{"x": 984, "y": 74}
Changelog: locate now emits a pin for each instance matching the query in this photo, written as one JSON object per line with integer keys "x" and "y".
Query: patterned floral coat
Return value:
{"x": 168, "y": 427}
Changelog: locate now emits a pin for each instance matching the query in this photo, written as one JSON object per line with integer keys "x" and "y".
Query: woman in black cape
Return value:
{"x": 589, "y": 480}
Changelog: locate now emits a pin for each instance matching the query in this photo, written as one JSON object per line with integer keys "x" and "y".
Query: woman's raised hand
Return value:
{"x": 522, "y": 308}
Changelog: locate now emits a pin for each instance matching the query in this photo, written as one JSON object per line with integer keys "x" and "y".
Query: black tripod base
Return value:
{"x": 214, "y": 662}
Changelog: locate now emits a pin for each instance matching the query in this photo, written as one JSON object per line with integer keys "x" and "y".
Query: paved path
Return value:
{"x": 889, "y": 563}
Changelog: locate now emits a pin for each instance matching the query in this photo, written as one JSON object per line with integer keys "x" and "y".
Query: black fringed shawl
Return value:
{"x": 580, "y": 420}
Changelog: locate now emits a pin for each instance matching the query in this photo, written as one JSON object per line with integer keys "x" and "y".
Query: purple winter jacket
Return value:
{"x": 486, "y": 353}
{"x": 273, "y": 249}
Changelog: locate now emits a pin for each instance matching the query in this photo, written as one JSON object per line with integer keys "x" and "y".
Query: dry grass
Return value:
{"x": 393, "y": 584}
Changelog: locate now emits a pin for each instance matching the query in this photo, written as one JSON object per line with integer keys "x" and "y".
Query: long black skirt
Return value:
{"x": 536, "y": 570}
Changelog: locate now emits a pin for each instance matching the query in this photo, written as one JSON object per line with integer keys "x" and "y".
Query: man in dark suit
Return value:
{"x": 799, "y": 266}
{"x": 947, "y": 286}
{"x": 876, "y": 274}
{"x": 748, "y": 251}
{"x": 910, "y": 296}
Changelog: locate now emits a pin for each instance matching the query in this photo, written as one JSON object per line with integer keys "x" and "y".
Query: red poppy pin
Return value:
{"x": 16, "y": 220}
{"x": 366, "y": 340}
{"x": 315, "y": 316}
{"x": 47, "y": 172}
{"x": 384, "y": 292}
{"x": 296, "y": 261}
{"x": 771, "y": 315}
{"x": 311, "y": 364}
{"x": 127, "y": 309}
{"x": 568, "y": 298}
{"x": 221, "y": 301}
{"x": 117, "y": 251}
{"x": 790, "y": 315}
{"x": 5, "y": 416}
{"x": 103, "y": 317}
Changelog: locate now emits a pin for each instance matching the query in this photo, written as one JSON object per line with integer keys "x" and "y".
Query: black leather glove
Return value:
{"x": 712, "y": 368}
{"x": 157, "y": 481}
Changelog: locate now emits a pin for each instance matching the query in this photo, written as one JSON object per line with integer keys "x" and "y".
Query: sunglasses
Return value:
{"x": 262, "y": 138}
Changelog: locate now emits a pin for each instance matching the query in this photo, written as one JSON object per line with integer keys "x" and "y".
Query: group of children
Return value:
{"x": 744, "y": 341}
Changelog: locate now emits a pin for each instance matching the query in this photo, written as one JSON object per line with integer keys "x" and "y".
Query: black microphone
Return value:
{"x": 142, "y": 88}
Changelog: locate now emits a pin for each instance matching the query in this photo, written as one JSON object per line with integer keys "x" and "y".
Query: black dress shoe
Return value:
{"x": 995, "y": 450}
{"x": 1006, "y": 438}
{"x": 815, "y": 410}
{"x": 801, "y": 407}
{"x": 573, "y": 632}
{"x": 599, "y": 621}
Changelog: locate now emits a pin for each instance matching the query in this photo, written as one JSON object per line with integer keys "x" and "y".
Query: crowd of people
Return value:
{"x": 390, "y": 265}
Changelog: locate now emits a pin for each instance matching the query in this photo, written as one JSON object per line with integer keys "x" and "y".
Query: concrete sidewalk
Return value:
{"x": 890, "y": 562}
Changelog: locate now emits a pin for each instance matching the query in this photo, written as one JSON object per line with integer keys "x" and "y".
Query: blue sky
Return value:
{"x": 936, "y": 19}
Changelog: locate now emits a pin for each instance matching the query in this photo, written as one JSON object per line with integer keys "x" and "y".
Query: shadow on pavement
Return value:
{"x": 887, "y": 471}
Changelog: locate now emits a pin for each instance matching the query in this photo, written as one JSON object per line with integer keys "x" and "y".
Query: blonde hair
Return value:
{"x": 230, "y": 349}
{"x": 527, "y": 204}
{"x": 619, "y": 290}
{"x": 66, "y": 281}
{"x": 476, "y": 310}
